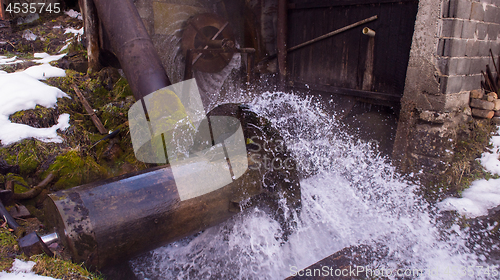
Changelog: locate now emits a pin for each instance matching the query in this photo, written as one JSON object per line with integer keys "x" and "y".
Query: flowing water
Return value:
{"x": 351, "y": 195}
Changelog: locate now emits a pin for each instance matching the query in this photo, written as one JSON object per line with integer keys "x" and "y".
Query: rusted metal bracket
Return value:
{"x": 188, "y": 70}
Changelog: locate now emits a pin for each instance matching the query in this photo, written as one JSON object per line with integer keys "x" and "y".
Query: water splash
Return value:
{"x": 350, "y": 195}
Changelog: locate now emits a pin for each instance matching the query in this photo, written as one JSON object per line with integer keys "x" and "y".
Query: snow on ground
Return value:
{"x": 21, "y": 270}
{"x": 74, "y": 14}
{"x": 74, "y": 31}
{"x": 482, "y": 194}
{"x": 46, "y": 58}
{"x": 24, "y": 90}
{"x": 6, "y": 60}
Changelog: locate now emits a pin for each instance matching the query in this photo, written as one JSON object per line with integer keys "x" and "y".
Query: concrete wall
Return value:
{"x": 450, "y": 47}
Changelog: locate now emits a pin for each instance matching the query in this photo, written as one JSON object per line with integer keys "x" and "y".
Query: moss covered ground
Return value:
{"x": 76, "y": 161}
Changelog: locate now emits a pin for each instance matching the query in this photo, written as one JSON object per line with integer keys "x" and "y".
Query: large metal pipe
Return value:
{"x": 132, "y": 45}
{"x": 107, "y": 222}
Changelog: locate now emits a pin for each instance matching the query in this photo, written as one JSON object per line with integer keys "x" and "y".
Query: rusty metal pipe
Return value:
{"x": 132, "y": 45}
{"x": 107, "y": 222}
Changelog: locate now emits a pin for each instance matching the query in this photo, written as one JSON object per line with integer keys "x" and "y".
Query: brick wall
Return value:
{"x": 468, "y": 30}
{"x": 450, "y": 47}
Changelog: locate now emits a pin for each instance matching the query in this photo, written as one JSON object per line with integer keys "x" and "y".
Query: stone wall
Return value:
{"x": 450, "y": 47}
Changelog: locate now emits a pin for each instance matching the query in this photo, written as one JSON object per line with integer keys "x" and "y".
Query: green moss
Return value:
{"x": 29, "y": 154}
{"x": 8, "y": 248}
{"x": 472, "y": 140}
{"x": 61, "y": 269}
{"x": 121, "y": 89}
{"x": 73, "y": 169}
{"x": 20, "y": 184}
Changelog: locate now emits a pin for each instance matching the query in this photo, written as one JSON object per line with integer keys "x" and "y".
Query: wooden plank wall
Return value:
{"x": 339, "y": 61}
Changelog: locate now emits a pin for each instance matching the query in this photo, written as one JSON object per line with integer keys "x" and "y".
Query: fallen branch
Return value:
{"x": 97, "y": 122}
{"x": 34, "y": 191}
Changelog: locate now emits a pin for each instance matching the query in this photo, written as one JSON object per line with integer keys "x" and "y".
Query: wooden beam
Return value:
{"x": 386, "y": 98}
{"x": 329, "y": 3}
{"x": 281, "y": 40}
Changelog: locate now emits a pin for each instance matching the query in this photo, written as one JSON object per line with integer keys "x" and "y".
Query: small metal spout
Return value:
{"x": 50, "y": 238}
{"x": 369, "y": 32}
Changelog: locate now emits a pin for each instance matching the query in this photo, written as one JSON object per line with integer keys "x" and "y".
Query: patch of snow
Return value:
{"x": 44, "y": 71}
{"x": 13, "y": 60}
{"x": 64, "y": 47}
{"x": 23, "y": 91}
{"x": 28, "y": 35}
{"x": 74, "y": 31}
{"x": 74, "y": 14}
{"x": 56, "y": 27}
{"x": 46, "y": 58}
{"x": 476, "y": 200}
{"x": 491, "y": 161}
{"x": 13, "y": 132}
{"x": 482, "y": 194}
{"x": 21, "y": 270}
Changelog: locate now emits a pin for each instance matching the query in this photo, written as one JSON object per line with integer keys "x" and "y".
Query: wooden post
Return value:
{"x": 368, "y": 75}
{"x": 97, "y": 122}
{"x": 91, "y": 27}
{"x": 3, "y": 16}
{"x": 281, "y": 38}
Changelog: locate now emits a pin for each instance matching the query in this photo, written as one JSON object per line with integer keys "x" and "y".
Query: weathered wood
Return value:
{"x": 368, "y": 75}
{"x": 329, "y": 3}
{"x": 97, "y": 122}
{"x": 493, "y": 95}
{"x": 481, "y": 104}
{"x": 497, "y": 104}
{"x": 340, "y": 61}
{"x": 34, "y": 191}
{"x": 19, "y": 212}
{"x": 390, "y": 98}
{"x": 91, "y": 28}
{"x": 3, "y": 16}
{"x": 281, "y": 40}
{"x": 477, "y": 93}
{"x": 480, "y": 113}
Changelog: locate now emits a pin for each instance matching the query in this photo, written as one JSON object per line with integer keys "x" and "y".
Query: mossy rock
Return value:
{"x": 74, "y": 169}
{"x": 29, "y": 154}
{"x": 20, "y": 184}
{"x": 38, "y": 117}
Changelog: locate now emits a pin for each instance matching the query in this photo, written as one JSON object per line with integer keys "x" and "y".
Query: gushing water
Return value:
{"x": 351, "y": 195}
